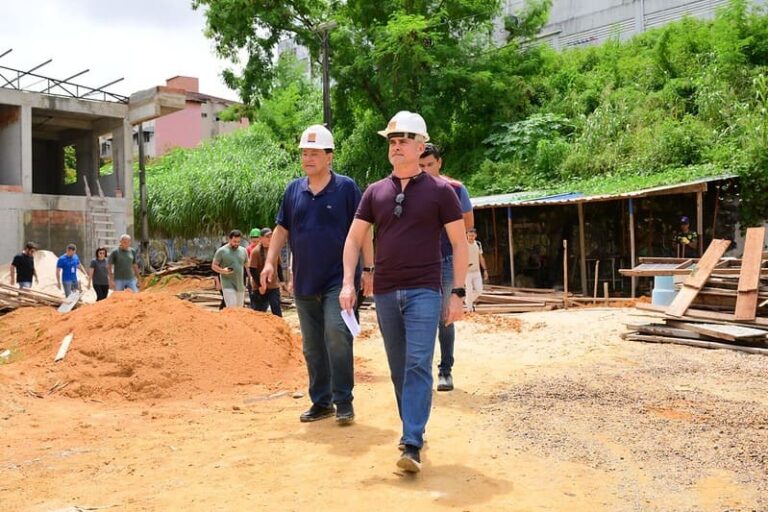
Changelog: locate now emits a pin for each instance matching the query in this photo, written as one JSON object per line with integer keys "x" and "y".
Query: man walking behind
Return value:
{"x": 230, "y": 263}
{"x": 23, "y": 266}
{"x": 477, "y": 272}
{"x": 122, "y": 267}
{"x": 315, "y": 216}
{"x": 409, "y": 208}
{"x": 432, "y": 162}
{"x": 262, "y": 297}
{"x": 66, "y": 270}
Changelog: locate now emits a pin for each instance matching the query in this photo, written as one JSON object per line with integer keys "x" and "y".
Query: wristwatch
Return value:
{"x": 368, "y": 269}
{"x": 459, "y": 292}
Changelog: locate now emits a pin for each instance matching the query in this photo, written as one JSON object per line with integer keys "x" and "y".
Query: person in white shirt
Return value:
{"x": 477, "y": 272}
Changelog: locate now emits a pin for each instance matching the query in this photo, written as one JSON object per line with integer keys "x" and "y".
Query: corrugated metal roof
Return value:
{"x": 540, "y": 198}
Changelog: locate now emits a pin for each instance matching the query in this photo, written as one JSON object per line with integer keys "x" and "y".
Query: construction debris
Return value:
{"x": 717, "y": 306}
{"x": 12, "y": 298}
{"x": 187, "y": 267}
{"x": 504, "y": 299}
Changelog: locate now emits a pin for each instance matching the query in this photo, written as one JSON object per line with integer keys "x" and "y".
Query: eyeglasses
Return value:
{"x": 399, "y": 198}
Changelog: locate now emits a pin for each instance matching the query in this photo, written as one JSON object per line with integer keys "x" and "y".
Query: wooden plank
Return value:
{"x": 511, "y": 244}
{"x": 632, "y": 253}
{"x": 63, "y": 347}
{"x": 749, "y": 279}
{"x": 697, "y": 314}
{"x": 698, "y": 277}
{"x": 68, "y": 304}
{"x": 700, "y": 219}
{"x": 664, "y": 330}
{"x": 725, "y": 332}
{"x": 694, "y": 343}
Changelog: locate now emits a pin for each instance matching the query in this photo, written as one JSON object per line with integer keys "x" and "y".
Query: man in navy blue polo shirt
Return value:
{"x": 315, "y": 216}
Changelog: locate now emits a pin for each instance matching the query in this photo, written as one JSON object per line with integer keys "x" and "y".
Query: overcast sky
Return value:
{"x": 145, "y": 41}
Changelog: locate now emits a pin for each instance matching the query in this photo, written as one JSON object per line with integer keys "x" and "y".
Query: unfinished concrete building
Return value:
{"x": 52, "y": 188}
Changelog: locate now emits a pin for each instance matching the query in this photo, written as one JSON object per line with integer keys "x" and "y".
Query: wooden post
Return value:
{"x": 605, "y": 292}
{"x": 511, "y": 247}
{"x": 700, "y": 220}
{"x": 565, "y": 274}
{"x": 632, "y": 243}
{"x": 582, "y": 251}
{"x": 496, "y": 241}
{"x": 597, "y": 272}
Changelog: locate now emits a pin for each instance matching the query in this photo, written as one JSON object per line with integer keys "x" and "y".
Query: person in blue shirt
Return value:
{"x": 66, "y": 271}
{"x": 315, "y": 215}
{"x": 432, "y": 162}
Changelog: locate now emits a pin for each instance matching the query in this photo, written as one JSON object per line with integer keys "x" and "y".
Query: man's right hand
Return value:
{"x": 266, "y": 274}
{"x": 347, "y": 297}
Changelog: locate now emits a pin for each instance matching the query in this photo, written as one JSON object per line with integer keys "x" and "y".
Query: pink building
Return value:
{"x": 199, "y": 121}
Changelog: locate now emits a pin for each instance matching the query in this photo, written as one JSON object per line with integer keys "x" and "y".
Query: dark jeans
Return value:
{"x": 102, "y": 290}
{"x": 408, "y": 322}
{"x": 327, "y": 345}
{"x": 446, "y": 334}
{"x": 270, "y": 299}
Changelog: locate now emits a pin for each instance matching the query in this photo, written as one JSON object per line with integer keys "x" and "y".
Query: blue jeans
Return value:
{"x": 69, "y": 286}
{"x": 408, "y": 321}
{"x": 122, "y": 284}
{"x": 25, "y": 284}
{"x": 327, "y": 345}
{"x": 446, "y": 334}
{"x": 270, "y": 299}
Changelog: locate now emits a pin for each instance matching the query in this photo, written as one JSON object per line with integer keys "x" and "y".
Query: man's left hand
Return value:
{"x": 455, "y": 310}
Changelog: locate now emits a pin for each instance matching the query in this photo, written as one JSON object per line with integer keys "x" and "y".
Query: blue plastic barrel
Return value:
{"x": 663, "y": 290}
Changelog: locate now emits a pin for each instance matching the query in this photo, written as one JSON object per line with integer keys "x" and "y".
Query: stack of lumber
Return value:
{"x": 12, "y": 298}
{"x": 722, "y": 303}
{"x": 505, "y": 299}
{"x": 187, "y": 267}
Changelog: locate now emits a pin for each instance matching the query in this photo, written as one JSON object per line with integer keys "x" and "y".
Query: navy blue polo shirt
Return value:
{"x": 318, "y": 227}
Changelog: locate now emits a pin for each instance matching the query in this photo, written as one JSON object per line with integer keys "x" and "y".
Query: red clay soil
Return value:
{"x": 147, "y": 346}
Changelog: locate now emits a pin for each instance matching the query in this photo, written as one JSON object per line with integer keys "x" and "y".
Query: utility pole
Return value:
{"x": 143, "y": 201}
{"x": 324, "y": 29}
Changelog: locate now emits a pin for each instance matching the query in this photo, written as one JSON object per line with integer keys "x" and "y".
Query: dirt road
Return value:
{"x": 560, "y": 416}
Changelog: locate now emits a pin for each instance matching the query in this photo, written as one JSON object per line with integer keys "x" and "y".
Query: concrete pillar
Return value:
{"x": 122, "y": 159}
{"x": 26, "y": 149}
{"x": 639, "y": 16}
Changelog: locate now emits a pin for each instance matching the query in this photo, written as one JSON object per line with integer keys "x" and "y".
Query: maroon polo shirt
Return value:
{"x": 408, "y": 248}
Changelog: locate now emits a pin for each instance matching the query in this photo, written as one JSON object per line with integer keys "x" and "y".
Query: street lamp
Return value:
{"x": 324, "y": 28}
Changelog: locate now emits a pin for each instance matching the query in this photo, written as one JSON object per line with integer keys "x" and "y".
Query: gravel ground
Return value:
{"x": 672, "y": 415}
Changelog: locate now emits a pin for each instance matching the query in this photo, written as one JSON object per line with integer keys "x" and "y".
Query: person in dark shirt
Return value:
{"x": 23, "y": 266}
{"x": 99, "y": 274}
{"x": 315, "y": 215}
{"x": 410, "y": 208}
{"x": 432, "y": 162}
{"x": 269, "y": 296}
{"x": 686, "y": 240}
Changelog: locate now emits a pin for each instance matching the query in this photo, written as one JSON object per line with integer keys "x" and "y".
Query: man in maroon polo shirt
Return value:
{"x": 410, "y": 208}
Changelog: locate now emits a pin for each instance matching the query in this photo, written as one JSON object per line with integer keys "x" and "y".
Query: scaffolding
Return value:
{"x": 28, "y": 80}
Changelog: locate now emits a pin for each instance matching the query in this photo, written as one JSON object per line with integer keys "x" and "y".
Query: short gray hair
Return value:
{"x": 125, "y": 236}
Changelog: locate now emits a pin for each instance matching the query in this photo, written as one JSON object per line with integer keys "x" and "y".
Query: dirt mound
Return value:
{"x": 147, "y": 346}
{"x": 495, "y": 323}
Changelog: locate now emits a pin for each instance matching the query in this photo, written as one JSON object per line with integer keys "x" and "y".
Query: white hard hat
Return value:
{"x": 406, "y": 122}
{"x": 316, "y": 136}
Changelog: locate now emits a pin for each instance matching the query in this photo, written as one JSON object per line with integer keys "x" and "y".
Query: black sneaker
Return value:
{"x": 345, "y": 413}
{"x": 410, "y": 460}
{"x": 317, "y": 412}
{"x": 444, "y": 382}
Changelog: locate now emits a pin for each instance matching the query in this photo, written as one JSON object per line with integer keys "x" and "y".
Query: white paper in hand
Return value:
{"x": 351, "y": 321}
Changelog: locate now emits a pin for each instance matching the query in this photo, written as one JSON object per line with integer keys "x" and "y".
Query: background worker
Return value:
{"x": 123, "y": 268}
{"x": 66, "y": 270}
{"x": 23, "y": 267}
{"x": 432, "y": 162}
{"x": 230, "y": 263}
{"x": 315, "y": 215}
{"x": 477, "y": 272}
{"x": 98, "y": 271}
{"x": 269, "y": 295}
{"x": 410, "y": 209}
{"x": 255, "y": 238}
{"x": 686, "y": 240}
